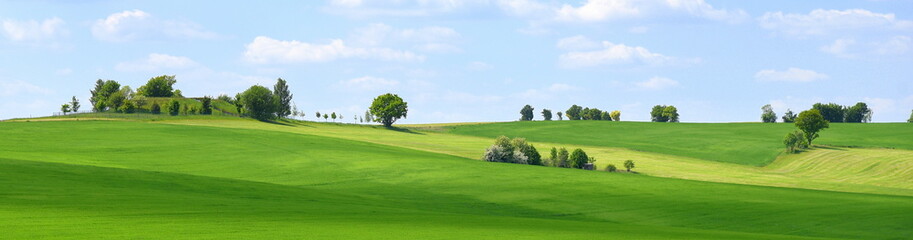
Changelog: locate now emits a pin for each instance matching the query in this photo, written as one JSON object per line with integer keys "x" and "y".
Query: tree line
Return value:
{"x": 832, "y": 112}
{"x": 519, "y": 151}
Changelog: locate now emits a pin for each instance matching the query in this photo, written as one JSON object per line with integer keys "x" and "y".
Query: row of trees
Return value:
{"x": 663, "y": 113}
{"x": 832, "y": 112}
{"x": 573, "y": 113}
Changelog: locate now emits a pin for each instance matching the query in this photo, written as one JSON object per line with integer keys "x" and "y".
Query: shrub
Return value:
{"x": 127, "y": 107}
{"x": 578, "y": 159}
{"x": 794, "y": 141}
{"x": 562, "y": 158}
{"x": 512, "y": 151}
{"x": 611, "y": 168}
{"x": 207, "y": 105}
{"x": 155, "y": 109}
{"x": 174, "y": 107}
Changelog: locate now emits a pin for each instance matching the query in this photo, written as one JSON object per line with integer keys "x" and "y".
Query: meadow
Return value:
{"x": 199, "y": 177}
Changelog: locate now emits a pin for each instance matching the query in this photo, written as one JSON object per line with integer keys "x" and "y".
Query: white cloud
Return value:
{"x": 821, "y": 22}
{"x": 401, "y": 8}
{"x": 895, "y": 46}
{"x": 612, "y": 54}
{"x": 368, "y": 83}
{"x": 15, "y": 88}
{"x": 790, "y": 75}
{"x": 606, "y": 10}
{"x": 264, "y": 50}
{"x": 523, "y": 7}
{"x": 577, "y": 43}
{"x": 428, "y": 39}
{"x": 839, "y": 47}
{"x": 33, "y": 30}
{"x": 136, "y": 25}
{"x": 156, "y": 62}
{"x": 656, "y": 83}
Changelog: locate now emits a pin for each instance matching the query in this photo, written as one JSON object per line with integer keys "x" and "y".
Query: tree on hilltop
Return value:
{"x": 283, "y": 97}
{"x": 811, "y": 122}
{"x": 388, "y": 108}
{"x": 526, "y": 114}
{"x": 767, "y": 114}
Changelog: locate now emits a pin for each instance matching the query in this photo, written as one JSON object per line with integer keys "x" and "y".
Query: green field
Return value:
{"x": 216, "y": 177}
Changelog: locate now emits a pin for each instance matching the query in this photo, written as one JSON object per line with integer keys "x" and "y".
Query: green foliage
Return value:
{"x": 656, "y": 114}
{"x": 670, "y": 113}
{"x": 553, "y": 157}
{"x": 174, "y": 107}
{"x": 206, "y": 108}
{"x": 161, "y": 86}
{"x": 789, "y": 116}
{"x": 515, "y": 150}
{"x": 259, "y": 103}
{"x": 611, "y": 168}
{"x": 115, "y": 100}
{"x": 547, "y": 114}
{"x": 795, "y": 141}
{"x": 573, "y": 113}
{"x": 629, "y": 164}
{"x": 103, "y": 89}
{"x": 811, "y": 122}
{"x": 858, "y": 113}
{"x": 616, "y": 115}
{"x": 577, "y": 159}
{"x": 65, "y": 108}
{"x": 526, "y": 114}
{"x": 831, "y": 112}
{"x": 178, "y": 94}
{"x": 156, "y": 108}
{"x": 74, "y": 104}
{"x": 333, "y": 116}
{"x": 127, "y": 107}
{"x": 563, "y": 158}
{"x": 560, "y": 117}
{"x": 284, "y": 97}
{"x": 388, "y": 108}
{"x": 605, "y": 116}
{"x": 768, "y": 115}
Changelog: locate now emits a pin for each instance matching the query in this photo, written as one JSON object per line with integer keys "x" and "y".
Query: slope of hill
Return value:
{"x": 142, "y": 179}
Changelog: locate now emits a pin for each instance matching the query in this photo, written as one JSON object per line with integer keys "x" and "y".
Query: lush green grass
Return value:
{"x": 117, "y": 179}
{"x": 755, "y": 144}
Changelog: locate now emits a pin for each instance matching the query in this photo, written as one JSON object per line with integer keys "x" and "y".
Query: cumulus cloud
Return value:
{"x": 606, "y": 10}
{"x": 821, "y": 22}
{"x": 368, "y": 83}
{"x": 136, "y": 25}
{"x": 839, "y": 47}
{"x": 577, "y": 43}
{"x": 400, "y": 8}
{"x": 790, "y": 75}
{"x": 656, "y": 83}
{"x": 263, "y": 50}
{"x": 156, "y": 62}
{"x": 32, "y": 30}
{"x": 611, "y": 54}
{"x": 895, "y": 46}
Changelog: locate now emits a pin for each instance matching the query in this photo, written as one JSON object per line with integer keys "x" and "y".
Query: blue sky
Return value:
{"x": 473, "y": 60}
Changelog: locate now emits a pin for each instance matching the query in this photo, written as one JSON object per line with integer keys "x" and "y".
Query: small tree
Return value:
{"x": 74, "y": 105}
{"x": 563, "y": 158}
{"x": 368, "y": 117}
{"x": 333, "y": 116}
{"x": 174, "y": 107}
{"x": 629, "y": 165}
{"x": 789, "y": 116}
{"x": 207, "y": 105}
{"x": 283, "y": 97}
{"x": 811, "y": 122}
{"x": 767, "y": 114}
{"x": 318, "y": 115}
{"x": 547, "y": 114}
{"x": 578, "y": 159}
{"x": 65, "y": 108}
{"x": 611, "y": 168}
{"x": 616, "y": 115}
{"x": 553, "y": 157}
{"x": 388, "y": 108}
{"x": 526, "y": 113}
{"x": 560, "y": 117}
{"x": 325, "y": 117}
{"x": 794, "y": 141}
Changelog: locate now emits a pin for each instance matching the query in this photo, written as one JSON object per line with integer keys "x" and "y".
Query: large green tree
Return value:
{"x": 100, "y": 94}
{"x": 858, "y": 113}
{"x": 259, "y": 103}
{"x": 388, "y": 108}
{"x": 526, "y": 113}
{"x": 656, "y": 114}
{"x": 161, "y": 86}
{"x": 284, "y": 97}
{"x": 573, "y": 113}
{"x": 670, "y": 113}
{"x": 811, "y": 122}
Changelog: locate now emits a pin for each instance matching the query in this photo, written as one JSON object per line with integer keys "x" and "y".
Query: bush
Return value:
{"x": 578, "y": 159}
{"x": 562, "y": 158}
{"x": 127, "y": 107}
{"x": 629, "y": 165}
{"x": 174, "y": 107}
{"x": 611, "y": 168}
{"x": 155, "y": 109}
{"x": 794, "y": 141}
{"x": 512, "y": 151}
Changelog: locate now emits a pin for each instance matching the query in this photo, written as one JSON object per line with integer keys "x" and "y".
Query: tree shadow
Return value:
{"x": 403, "y": 130}
{"x": 838, "y": 148}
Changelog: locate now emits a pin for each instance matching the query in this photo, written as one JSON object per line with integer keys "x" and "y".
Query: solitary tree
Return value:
{"x": 616, "y": 115}
{"x": 318, "y": 115}
{"x": 284, "y": 97}
{"x": 789, "y": 116}
{"x": 74, "y": 104}
{"x": 767, "y": 114}
{"x": 65, "y": 108}
{"x": 629, "y": 165}
{"x": 560, "y": 117}
{"x": 161, "y": 86}
{"x": 526, "y": 113}
{"x": 547, "y": 114}
{"x": 388, "y": 108}
{"x": 811, "y": 122}
{"x": 794, "y": 141}
{"x": 578, "y": 159}
{"x": 259, "y": 103}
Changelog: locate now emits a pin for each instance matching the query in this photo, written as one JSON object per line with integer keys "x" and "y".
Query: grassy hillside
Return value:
{"x": 755, "y": 144}
{"x": 141, "y": 179}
